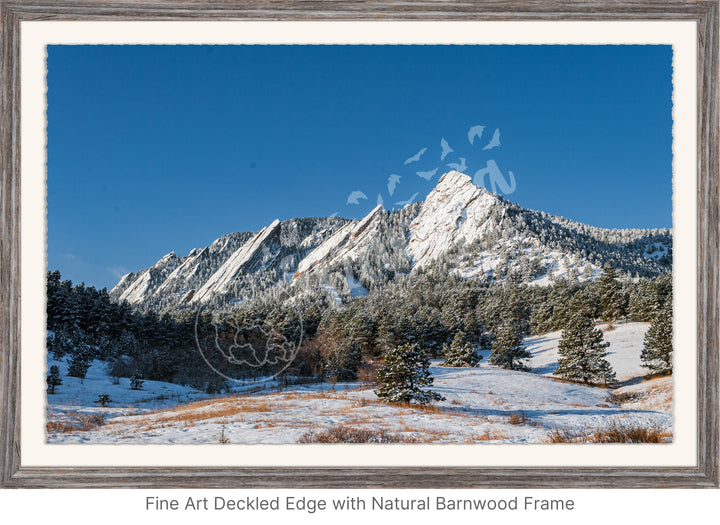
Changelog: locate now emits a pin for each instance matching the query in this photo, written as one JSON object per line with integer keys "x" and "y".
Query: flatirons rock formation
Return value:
{"x": 459, "y": 228}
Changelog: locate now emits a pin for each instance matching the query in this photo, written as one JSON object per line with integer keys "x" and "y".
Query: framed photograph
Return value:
{"x": 366, "y": 246}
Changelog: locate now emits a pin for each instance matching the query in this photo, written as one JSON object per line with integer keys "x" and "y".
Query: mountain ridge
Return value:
{"x": 459, "y": 228}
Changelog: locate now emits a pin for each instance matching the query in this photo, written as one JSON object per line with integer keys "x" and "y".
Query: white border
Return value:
{"x": 36, "y": 35}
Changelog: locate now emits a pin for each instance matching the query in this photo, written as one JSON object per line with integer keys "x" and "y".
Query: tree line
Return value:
{"x": 430, "y": 313}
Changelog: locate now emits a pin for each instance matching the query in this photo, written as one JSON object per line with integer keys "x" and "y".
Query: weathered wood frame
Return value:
{"x": 703, "y": 12}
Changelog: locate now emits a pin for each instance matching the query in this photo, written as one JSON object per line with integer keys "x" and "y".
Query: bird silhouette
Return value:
{"x": 416, "y": 157}
{"x": 475, "y": 131}
{"x": 409, "y": 201}
{"x": 427, "y": 175}
{"x": 446, "y": 149}
{"x": 393, "y": 181}
{"x": 494, "y": 141}
{"x": 459, "y": 167}
{"x": 379, "y": 200}
{"x": 354, "y": 196}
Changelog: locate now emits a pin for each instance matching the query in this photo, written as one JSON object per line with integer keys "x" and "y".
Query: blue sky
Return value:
{"x": 153, "y": 149}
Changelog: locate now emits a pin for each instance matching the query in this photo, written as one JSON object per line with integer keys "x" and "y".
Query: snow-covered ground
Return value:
{"x": 626, "y": 342}
{"x": 483, "y": 404}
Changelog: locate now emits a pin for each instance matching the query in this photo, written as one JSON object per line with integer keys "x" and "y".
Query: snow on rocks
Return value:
{"x": 221, "y": 280}
{"x": 343, "y": 244}
{"x": 455, "y": 209}
{"x": 148, "y": 280}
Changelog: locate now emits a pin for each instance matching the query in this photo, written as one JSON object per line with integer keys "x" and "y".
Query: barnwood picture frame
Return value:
{"x": 704, "y": 474}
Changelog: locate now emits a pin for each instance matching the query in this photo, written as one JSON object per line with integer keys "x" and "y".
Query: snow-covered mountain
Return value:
{"x": 233, "y": 266}
{"x": 459, "y": 228}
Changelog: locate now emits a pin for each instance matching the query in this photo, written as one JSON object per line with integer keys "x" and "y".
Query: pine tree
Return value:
{"x": 107, "y": 348}
{"x": 612, "y": 302}
{"x": 343, "y": 363}
{"x": 644, "y": 301}
{"x": 128, "y": 344}
{"x": 507, "y": 349}
{"x": 53, "y": 379}
{"x": 460, "y": 352}
{"x": 404, "y": 374}
{"x": 59, "y": 344}
{"x": 80, "y": 361}
{"x": 658, "y": 348}
{"x": 585, "y": 302}
{"x": 582, "y": 352}
{"x": 136, "y": 381}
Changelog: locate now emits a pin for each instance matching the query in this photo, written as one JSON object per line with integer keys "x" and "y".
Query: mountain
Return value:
{"x": 234, "y": 265}
{"x": 459, "y": 228}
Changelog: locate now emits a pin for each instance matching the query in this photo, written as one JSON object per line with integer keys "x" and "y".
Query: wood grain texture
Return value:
{"x": 705, "y": 474}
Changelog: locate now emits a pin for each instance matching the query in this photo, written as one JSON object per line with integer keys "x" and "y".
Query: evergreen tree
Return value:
{"x": 612, "y": 302}
{"x": 507, "y": 349}
{"x": 404, "y": 374}
{"x": 343, "y": 363}
{"x": 59, "y": 344}
{"x": 136, "y": 381}
{"x": 128, "y": 344}
{"x": 460, "y": 352}
{"x": 585, "y": 302}
{"x": 657, "y": 351}
{"x": 107, "y": 348}
{"x": 53, "y": 379}
{"x": 582, "y": 352}
{"x": 80, "y": 361}
{"x": 644, "y": 301}
{"x": 541, "y": 314}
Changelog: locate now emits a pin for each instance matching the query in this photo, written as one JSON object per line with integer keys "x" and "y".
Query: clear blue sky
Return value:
{"x": 153, "y": 149}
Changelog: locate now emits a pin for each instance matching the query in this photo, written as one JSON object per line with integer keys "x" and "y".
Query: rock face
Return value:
{"x": 345, "y": 244}
{"x": 459, "y": 228}
{"x": 216, "y": 273}
{"x": 259, "y": 251}
{"x": 456, "y": 210}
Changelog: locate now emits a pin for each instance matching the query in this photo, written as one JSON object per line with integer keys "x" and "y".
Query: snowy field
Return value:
{"x": 483, "y": 405}
{"x": 626, "y": 342}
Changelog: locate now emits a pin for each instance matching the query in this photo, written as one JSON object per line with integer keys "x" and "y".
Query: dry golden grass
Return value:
{"x": 364, "y": 402}
{"x": 613, "y": 433}
{"x": 60, "y": 427}
{"x": 346, "y": 434}
{"x": 488, "y": 436}
{"x": 194, "y": 413}
{"x": 429, "y": 409}
{"x": 431, "y": 436}
{"x": 75, "y": 423}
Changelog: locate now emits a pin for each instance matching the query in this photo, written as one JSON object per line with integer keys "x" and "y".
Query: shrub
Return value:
{"x": 518, "y": 418}
{"x": 103, "y": 400}
{"x": 343, "y": 434}
{"x": 613, "y": 433}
